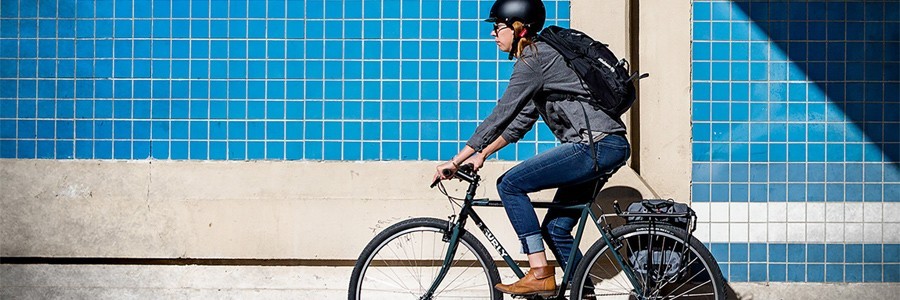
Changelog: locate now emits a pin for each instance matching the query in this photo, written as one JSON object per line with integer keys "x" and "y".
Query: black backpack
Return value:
{"x": 608, "y": 78}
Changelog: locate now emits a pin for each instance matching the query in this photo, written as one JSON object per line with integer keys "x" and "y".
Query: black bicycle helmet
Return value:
{"x": 529, "y": 12}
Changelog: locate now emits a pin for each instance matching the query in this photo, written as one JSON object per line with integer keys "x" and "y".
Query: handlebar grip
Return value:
{"x": 435, "y": 182}
{"x": 467, "y": 168}
{"x": 446, "y": 172}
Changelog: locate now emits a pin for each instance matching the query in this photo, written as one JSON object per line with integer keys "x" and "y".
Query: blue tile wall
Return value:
{"x": 237, "y": 80}
{"x": 790, "y": 82}
{"x": 742, "y": 262}
{"x": 797, "y": 101}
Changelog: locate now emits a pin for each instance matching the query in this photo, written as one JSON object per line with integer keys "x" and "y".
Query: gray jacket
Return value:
{"x": 537, "y": 74}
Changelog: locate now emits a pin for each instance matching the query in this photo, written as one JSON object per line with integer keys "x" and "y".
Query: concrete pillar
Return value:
{"x": 662, "y": 130}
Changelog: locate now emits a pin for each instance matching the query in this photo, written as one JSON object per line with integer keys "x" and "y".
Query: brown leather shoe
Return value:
{"x": 539, "y": 281}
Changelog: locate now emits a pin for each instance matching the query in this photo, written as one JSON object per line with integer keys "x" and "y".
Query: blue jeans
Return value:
{"x": 568, "y": 167}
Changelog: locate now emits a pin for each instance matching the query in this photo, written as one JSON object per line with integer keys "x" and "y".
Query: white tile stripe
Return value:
{"x": 798, "y": 222}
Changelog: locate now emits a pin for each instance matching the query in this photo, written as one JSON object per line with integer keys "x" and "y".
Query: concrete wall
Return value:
{"x": 315, "y": 210}
{"x": 165, "y": 209}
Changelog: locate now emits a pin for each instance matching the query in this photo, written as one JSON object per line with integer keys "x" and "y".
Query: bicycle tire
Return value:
{"x": 698, "y": 276}
{"x": 367, "y": 280}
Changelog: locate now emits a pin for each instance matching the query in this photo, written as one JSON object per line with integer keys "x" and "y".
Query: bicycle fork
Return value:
{"x": 455, "y": 232}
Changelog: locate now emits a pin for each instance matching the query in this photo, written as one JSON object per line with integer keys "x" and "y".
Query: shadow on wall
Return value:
{"x": 848, "y": 52}
{"x": 624, "y": 194}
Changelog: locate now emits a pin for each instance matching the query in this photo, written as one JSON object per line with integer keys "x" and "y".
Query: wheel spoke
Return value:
{"x": 632, "y": 253}
{"x": 687, "y": 280}
{"x": 396, "y": 276}
{"x": 401, "y": 261}
{"x": 641, "y": 248}
{"x": 659, "y": 271}
{"x": 448, "y": 284}
{"x": 404, "y": 264}
{"x": 613, "y": 276}
{"x": 696, "y": 287}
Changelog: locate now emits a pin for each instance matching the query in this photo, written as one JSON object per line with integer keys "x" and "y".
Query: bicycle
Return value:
{"x": 420, "y": 258}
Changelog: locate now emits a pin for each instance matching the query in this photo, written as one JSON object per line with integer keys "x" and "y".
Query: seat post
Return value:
{"x": 601, "y": 181}
{"x": 599, "y": 185}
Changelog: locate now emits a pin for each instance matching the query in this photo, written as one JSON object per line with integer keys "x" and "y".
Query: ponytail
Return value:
{"x": 526, "y": 39}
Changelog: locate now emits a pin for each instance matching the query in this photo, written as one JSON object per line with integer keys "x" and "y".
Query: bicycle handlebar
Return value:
{"x": 465, "y": 172}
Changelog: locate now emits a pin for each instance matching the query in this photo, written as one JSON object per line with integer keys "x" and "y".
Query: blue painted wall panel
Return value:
{"x": 797, "y": 101}
{"x": 249, "y": 65}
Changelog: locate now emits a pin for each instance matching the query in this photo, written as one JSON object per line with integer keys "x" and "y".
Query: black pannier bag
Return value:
{"x": 660, "y": 206}
{"x": 665, "y": 264}
{"x": 607, "y": 78}
{"x": 661, "y": 264}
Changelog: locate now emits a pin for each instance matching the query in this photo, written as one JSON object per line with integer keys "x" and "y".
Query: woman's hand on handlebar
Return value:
{"x": 445, "y": 171}
{"x": 476, "y": 160}
{"x": 450, "y": 169}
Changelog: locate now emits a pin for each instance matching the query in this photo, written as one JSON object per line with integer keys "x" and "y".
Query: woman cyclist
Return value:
{"x": 540, "y": 71}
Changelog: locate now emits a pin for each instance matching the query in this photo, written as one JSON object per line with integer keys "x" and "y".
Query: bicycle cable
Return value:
{"x": 453, "y": 200}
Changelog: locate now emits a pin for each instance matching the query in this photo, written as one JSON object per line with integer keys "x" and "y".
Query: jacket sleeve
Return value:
{"x": 521, "y": 124}
{"x": 526, "y": 81}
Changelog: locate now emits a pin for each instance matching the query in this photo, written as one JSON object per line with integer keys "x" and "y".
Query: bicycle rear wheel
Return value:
{"x": 403, "y": 261}
{"x": 665, "y": 271}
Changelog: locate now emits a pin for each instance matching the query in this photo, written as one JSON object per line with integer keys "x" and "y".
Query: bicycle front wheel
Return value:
{"x": 665, "y": 266}
{"x": 403, "y": 261}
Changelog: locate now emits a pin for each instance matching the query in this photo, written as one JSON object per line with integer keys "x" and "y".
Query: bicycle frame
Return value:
{"x": 456, "y": 229}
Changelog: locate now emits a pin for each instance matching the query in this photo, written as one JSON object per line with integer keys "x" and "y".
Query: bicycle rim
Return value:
{"x": 672, "y": 274}
{"x": 405, "y": 264}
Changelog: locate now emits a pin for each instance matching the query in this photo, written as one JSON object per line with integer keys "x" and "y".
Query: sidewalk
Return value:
{"x": 255, "y": 282}
{"x": 171, "y": 282}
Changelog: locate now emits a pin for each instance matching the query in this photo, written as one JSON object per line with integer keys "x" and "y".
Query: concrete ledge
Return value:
{"x": 244, "y": 282}
{"x": 815, "y": 291}
{"x": 180, "y": 209}
{"x": 172, "y": 282}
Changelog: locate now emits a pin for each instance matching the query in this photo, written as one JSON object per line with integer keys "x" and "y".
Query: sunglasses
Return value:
{"x": 498, "y": 27}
